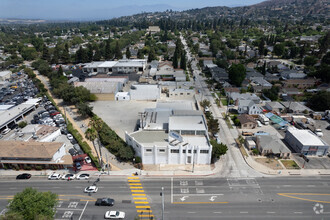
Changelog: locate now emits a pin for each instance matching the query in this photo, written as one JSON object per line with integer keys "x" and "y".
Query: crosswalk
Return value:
{"x": 140, "y": 200}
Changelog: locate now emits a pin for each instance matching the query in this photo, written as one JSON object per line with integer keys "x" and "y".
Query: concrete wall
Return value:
{"x": 51, "y": 136}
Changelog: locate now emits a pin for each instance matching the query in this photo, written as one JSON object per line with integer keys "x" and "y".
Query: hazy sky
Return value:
{"x": 100, "y": 9}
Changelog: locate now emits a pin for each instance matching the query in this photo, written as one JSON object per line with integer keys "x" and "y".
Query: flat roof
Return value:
{"x": 22, "y": 149}
{"x": 306, "y": 137}
{"x": 12, "y": 113}
{"x": 108, "y": 64}
{"x": 4, "y": 73}
{"x": 176, "y": 105}
{"x": 195, "y": 140}
{"x": 99, "y": 87}
{"x": 186, "y": 123}
{"x": 146, "y": 136}
{"x": 5, "y": 107}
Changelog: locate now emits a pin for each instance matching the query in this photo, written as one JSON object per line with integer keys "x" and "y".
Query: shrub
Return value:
{"x": 38, "y": 167}
{"x": 22, "y": 124}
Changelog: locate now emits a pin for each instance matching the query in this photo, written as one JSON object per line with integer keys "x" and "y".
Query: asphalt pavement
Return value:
{"x": 188, "y": 198}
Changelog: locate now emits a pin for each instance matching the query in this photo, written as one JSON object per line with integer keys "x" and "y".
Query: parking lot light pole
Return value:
{"x": 163, "y": 205}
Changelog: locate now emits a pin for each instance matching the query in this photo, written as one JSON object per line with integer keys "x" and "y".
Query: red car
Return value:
{"x": 54, "y": 113}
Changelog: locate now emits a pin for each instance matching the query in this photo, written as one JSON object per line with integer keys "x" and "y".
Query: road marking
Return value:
{"x": 287, "y": 185}
{"x": 16, "y": 188}
{"x": 144, "y": 210}
{"x": 83, "y": 211}
{"x": 138, "y": 194}
{"x": 146, "y": 215}
{"x": 138, "y": 202}
{"x": 191, "y": 212}
{"x": 136, "y": 187}
{"x": 133, "y": 181}
{"x": 243, "y": 212}
{"x": 217, "y": 212}
{"x": 171, "y": 189}
{"x": 141, "y": 198}
{"x": 132, "y": 177}
{"x": 310, "y": 185}
{"x": 291, "y": 195}
{"x": 270, "y": 212}
{"x": 198, "y": 194}
{"x": 200, "y": 202}
{"x": 137, "y": 191}
{"x": 142, "y": 207}
{"x": 135, "y": 184}
{"x": 297, "y": 212}
{"x": 54, "y": 187}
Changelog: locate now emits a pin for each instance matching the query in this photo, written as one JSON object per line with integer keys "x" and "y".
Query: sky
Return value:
{"x": 101, "y": 9}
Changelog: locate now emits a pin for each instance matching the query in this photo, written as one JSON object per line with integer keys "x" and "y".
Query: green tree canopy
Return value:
{"x": 320, "y": 101}
{"x": 237, "y": 74}
{"x": 31, "y": 204}
{"x": 218, "y": 149}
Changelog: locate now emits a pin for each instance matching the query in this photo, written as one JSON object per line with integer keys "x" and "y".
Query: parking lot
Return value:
{"x": 121, "y": 116}
{"x": 313, "y": 163}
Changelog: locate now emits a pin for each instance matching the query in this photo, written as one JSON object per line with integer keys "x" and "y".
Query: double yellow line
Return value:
{"x": 139, "y": 197}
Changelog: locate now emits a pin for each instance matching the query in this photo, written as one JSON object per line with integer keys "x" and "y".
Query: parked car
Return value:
{"x": 83, "y": 176}
{"x": 6, "y": 131}
{"x": 69, "y": 136}
{"x": 114, "y": 215}
{"x": 73, "y": 141}
{"x": 88, "y": 160}
{"x": 68, "y": 176}
{"x": 73, "y": 152}
{"x": 54, "y": 176}
{"x": 91, "y": 189}
{"x": 245, "y": 133}
{"x": 23, "y": 176}
{"x": 105, "y": 202}
{"x": 78, "y": 166}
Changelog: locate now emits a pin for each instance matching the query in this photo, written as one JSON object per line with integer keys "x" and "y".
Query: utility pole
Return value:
{"x": 66, "y": 119}
{"x": 193, "y": 159}
{"x": 108, "y": 166}
{"x": 163, "y": 205}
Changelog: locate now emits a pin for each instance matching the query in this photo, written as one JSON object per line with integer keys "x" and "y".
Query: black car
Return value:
{"x": 73, "y": 152}
{"x": 328, "y": 128}
{"x": 24, "y": 176}
{"x": 105, "y": 202}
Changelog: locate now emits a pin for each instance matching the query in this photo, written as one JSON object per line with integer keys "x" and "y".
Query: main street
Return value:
{"x": 189, "y": 198}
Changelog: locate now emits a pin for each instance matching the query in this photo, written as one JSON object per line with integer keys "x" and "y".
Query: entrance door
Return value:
{"x": 189, "y": 160}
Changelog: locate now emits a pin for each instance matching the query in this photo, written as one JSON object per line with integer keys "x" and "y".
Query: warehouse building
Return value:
{"x": 306, "y": 142}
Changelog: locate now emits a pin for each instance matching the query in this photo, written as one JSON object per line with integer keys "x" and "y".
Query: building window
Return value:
{"x": 181, "y": 93}
{"x": 188, "y": 132}
{"x": 174, "y": 151}
{"x": 184, "y": 151}
{"x": 149, "y": 150}
{"x": 162, "y": 150}
{"x": 204, "y": 151}
{"x": 188, "y": 93}
{"x": 200, "y": 132}
{"x": 189, "y": 151}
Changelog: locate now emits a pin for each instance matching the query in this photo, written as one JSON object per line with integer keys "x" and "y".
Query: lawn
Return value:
{"x": 290, "y": 164}
{"x": 224, "y": 102}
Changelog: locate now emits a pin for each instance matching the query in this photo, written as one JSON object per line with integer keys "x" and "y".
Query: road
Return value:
{"x": 233, "y": 162}
{"x": 186, "y": 198}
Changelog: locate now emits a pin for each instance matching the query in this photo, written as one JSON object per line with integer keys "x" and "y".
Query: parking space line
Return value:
{"x": 83, "y": 211}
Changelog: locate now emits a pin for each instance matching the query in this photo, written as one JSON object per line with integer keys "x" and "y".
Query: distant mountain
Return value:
{"x": 21, "y": 21}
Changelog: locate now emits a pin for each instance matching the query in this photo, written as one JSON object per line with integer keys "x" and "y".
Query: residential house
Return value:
{"x": 219, "y": 74}
{"x": 271, "y": 145}
{"x": 252, "y": 73}
{"x": 292, "y": 74}
{"x": 300, "y": 83}
{"x": 248, "y": 107}
{"x": 153, "y": 29}
{"x": 236, "y": 96}
{"x": 259, "y": 84}
{"x": 247, "y": 121}
{"x": 296, "y": 107}
{"x": 274, "y": 106}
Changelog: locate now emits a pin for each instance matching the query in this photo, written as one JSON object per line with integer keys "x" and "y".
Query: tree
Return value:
{"x": 205, "y": 103}
{"x": 91, "y": 134}
{"x": 272, "y": 93}
{"x": 213, "y": 125}
{"x": 151, "y": 55}
{"x": 237, "y": 74}
{"x": 65, "y": 54}
{"x": 175, "y": 60}
{"x": 310, "y": 60}
{"x": 128, "y": 53}
{"x": 108, "y": 53}
{"x": 60, "y": 71}
{"x": 279, "y": 49}
{"x": 183, "y": 61}
{"x": 218, "y": 149}
{"x": 320, "y": 101}
{"x": 84, "y": 109}
{"x": 31, "y": 204}
{"x": 45, "y": 53}
{"x": 118, "y": 54}
{"x": 29, "y": 53}
{"x": 261, "y": 46}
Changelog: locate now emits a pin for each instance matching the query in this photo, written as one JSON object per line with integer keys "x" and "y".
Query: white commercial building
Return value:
{"x": 120, "y": 66}
{"x": 5, "y": 75}
{"x": 145, "y": 92}
{"x": 170, "y": 136}
{"x": 306, "y": 142}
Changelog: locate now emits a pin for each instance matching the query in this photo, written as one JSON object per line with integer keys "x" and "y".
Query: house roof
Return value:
{"x": 306, "y": 137}
{"x": 295, "y": 106}
{"x": 244, "y": 103}
{"x": 274, "y": 105}
{"x": 270, "y": 142}
{"x": 245, "y": 118}
{"x": 19, "y": 150}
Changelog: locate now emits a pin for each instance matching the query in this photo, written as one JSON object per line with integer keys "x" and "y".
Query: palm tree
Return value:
{"x": 96, "y": 123}
{"x": 91, "y": 134}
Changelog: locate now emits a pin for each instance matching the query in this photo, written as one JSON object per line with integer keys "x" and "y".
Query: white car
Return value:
{"x": 88, "y": 160}
{"x": 91, "y": 189}
{"x": 114, "y": 215}
{"x": 6, "y": 131}
{"x": 54, "y": 176}
{"x": 69, "y": 136}
{"x": 83, "y": 176}
{"x": 69, "y": 175}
